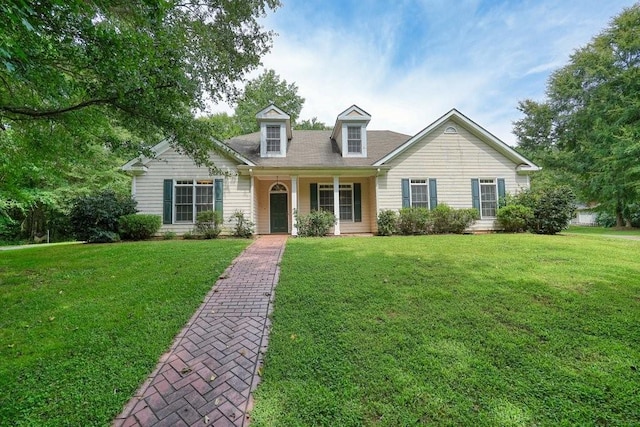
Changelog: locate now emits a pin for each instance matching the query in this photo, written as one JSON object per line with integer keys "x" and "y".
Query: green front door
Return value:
{"x": 278, "y": 212}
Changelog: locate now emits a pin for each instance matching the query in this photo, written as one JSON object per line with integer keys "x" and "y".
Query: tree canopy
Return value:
{"x": 94, "y": 67}
{"x": 258, "y": 93}
{"x": 589, "y": 125}
{"x": 87, "y": 84}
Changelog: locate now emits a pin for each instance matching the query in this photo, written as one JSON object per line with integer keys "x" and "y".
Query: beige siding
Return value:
{"x": 172, "y": 165}
{"x": 453, "y": 160}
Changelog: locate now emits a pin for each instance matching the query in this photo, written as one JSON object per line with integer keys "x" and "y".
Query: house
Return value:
{"x": 350, "y": 170}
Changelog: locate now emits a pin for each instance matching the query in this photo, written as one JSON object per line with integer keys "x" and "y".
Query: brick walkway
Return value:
{"x": 207, "y": 377}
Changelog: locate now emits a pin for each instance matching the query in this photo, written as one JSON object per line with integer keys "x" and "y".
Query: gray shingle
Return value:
{"x": 315, "y": 148}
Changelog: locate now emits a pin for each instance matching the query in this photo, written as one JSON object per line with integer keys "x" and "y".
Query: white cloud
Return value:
{"x": 407, "y": 67}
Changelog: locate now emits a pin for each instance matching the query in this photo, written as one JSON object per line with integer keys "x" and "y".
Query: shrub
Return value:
{"x": 515, "y": 218}
{"x": 552, "y": 208}
{"x": 243, "y": 227}
{"x": 138, "y": 226}
{"x": 415, "y": 221}
{"x": 441, "y": 217}
{"x": 103, "y": 236}
{"x": 387, "y": 222}
{"x": 315, "y": 223}
{"x": 209, "y": 224}
{"x": 95, "y": 217}
{"x": 189, "y": 235}
{"x": 461, "y": 219}
{"x": 169, "y": 235}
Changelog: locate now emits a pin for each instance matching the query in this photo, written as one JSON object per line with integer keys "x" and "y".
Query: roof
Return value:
{"x": 315, "y": 148}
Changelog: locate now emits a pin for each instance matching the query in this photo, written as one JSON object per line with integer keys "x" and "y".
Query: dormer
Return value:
{"x": 275, "y": 131}
{"x": 350, "y": 132}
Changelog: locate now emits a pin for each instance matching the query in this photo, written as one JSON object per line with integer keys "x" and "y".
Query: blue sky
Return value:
{"x": 408, "y": 62}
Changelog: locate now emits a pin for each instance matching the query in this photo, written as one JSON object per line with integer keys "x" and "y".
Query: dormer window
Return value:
{"x": 354, "y": 140}
{"x": 273, "y": 139}
{"x": 350, "y": 132}
{"x": 275, "y": 131}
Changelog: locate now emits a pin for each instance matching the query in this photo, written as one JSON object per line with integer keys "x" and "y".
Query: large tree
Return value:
{"x": 265, "y": 89}
{"x": 88, "y": 68}
{"x": 594, "y": 104}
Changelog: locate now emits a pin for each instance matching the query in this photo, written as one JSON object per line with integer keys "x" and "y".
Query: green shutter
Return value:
{"x": 433, "y": 193}
{"x": 314, "y": 196}
{"x": 475, "y": 193}
{"x": 501, "y": 192}
{"x": 357, "y": 202}
{"x": 167, "y": 202}
{"x": 219, "y": 189}
{"x": 406, "y": 198}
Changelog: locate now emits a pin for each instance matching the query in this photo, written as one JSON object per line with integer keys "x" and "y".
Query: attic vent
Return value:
{"x": 450, "y": 129}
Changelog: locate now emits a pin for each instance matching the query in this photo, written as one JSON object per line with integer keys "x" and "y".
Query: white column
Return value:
{"x": 294, "y": 204}
{"x": 336, "y": 204}
{"x": 252, "y": 194}
{"x": 133, "y": 186}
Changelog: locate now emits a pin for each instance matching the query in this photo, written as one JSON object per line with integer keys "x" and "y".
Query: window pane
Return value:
{"x": 346, "y": 202}
{"x": 419, "y": 193}
{"x": 204, "y": 198}
{"x": 184, "y": 201}
{"x": 273, "y": 139}
{"x": 354, "y": 139}
{"x": 488, "y": 198}
{"x": 325, "y": 195}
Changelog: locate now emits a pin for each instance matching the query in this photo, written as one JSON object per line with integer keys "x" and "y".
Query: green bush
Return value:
{"x": 138, "y": 226}
{"x": 95, "y": 218}
{"x": 552, "y": 208}
{"x": 515, "y": 218}
{"x": 387, "y": 222}
{"x": 461, "y": 219}
{"x": 169, "y": 235}
{"x": 190, "y": 235}
{"x": 415, "y": 221}
{"x": 441, "y": 217}
{"x": 103, "y": 236}
{"x": 209, "y": 224}
{"x": 243, "y": 227}
{"x": 315, "y": 223}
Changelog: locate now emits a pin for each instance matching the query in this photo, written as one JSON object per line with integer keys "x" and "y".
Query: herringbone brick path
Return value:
{"x": 207, "y": 377}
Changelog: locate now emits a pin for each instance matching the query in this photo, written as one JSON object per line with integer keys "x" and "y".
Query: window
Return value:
{"x": 185, "y": 202}
{"x": 354, "y": 139}
{"x": 419, "y": 193}
{"x": 488, "y": 198}
{"x": 273, "y": 139}
{"x": 345, "y": 196}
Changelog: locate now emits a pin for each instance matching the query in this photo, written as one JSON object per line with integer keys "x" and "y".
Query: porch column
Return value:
{"x": 294, "y": 204}
{"x": 336, "y": 204}
{"x": 252, "y": 192}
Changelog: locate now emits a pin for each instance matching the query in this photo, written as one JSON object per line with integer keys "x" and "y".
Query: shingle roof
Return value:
{"x": 315, "y": 148}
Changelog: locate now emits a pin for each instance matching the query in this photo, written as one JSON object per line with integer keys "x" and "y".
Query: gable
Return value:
{"x": 450, "y": 124}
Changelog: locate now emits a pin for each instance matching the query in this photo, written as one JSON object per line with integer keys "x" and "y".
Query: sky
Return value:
{"x": 409, "y": 62}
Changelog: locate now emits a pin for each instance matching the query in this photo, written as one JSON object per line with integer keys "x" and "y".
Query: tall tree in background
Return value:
{"x": 87, "y": 83}
{"x": 259, "y": 93}
{"x": 594, "y": 103}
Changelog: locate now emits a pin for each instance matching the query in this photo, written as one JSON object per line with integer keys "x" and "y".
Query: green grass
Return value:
{"x": 605, "y": 231}
{"x": 82, "y": 326}
{"x": 493, "y": 330}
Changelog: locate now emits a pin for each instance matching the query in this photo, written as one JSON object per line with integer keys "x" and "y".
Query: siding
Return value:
{"x": 173, "y": 165}
{"x": 453, "y": 159}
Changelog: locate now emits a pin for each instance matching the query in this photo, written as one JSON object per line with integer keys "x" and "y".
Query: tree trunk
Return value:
{"x": 619, "y": 219}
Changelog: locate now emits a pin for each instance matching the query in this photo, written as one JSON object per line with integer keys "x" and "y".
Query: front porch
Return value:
{"x": 351, "y": 198}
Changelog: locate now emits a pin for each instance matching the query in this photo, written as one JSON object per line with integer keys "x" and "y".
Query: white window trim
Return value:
{"x": 263, "y": 140}
{"x": 495, "y": 185}
{"x": 194, "y": 185}
{"x": 411, "y": 184}
{"x": 342, "y": 184}
{"x": 345, "y": 139}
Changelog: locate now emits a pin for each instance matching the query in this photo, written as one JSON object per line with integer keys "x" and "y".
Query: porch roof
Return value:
{"x": 314, "y": 148}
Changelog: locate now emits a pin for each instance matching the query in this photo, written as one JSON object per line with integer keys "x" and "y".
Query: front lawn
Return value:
{"x": 495, "y": 330}
{"x": 82, "y": 326}
{"x": 604, "y": 231}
